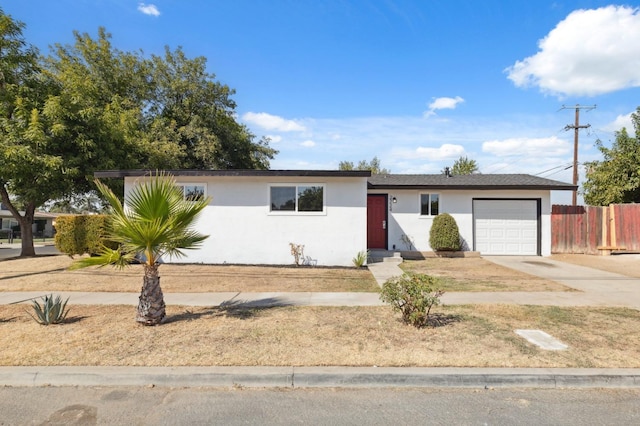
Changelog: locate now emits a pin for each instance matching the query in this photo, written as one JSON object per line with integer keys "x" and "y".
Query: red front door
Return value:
{"x": 377, "y": 221}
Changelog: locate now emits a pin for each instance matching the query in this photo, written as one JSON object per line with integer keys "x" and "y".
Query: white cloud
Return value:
{"x": 534, "y": 147}
{"x": 308, "y": 144}
{"x": 590, "y": 52}
{"x": 148, "y": 9}
{"x": 443, "y": 152}
{"x": 442, "y": 103}
{"x": 272, "y": 122}
{"x": 274, "y": 138}
{"x": 620, "y": 122}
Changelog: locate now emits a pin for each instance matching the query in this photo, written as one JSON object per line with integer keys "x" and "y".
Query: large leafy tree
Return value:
{"x": 32, "y": 164}
{"x": 616, "y": 178}
{"x": 157, "y": 222}
{"x": 89, "y": 106}
{"x": 374, "y": 165}
{"x": 195, "y": 114}
{"x": 464, "y": 166}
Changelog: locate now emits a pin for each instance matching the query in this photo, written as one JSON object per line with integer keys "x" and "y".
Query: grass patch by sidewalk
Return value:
{"x": 50, "y": 274}
{"x": 478, "y": 274}
{"x": 475, "y": 336}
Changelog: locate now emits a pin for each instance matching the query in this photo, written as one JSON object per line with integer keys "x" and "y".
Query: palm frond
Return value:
{"x": 106, "y": 257}
{"x": 156, "y": 221}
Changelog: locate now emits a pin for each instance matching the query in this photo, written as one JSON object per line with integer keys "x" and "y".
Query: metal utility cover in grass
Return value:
{"x": 542, "y": 339}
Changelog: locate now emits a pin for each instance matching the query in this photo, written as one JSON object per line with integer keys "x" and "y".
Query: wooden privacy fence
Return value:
{"x": 595, "y": 230}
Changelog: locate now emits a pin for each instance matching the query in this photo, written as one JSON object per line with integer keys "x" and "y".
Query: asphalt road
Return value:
{"x": 195, "y": 406}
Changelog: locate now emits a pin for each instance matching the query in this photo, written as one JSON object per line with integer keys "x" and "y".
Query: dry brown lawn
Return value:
{"x": 469, "y": 336}
{"x": 478, "y": 274}
{"x": 51, "y": 273}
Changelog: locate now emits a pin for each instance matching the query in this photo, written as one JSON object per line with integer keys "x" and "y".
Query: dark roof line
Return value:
{"x": 475, "y": 181}
{"x": 390, "y": 181}
{"x": 234, "y": 173}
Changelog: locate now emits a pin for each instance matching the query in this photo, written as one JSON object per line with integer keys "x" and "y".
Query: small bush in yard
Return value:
{"x": 297, "y": 251}
{"x": 360, "y": 259}
{"x": 52, "y": 311}
{"x": 444, "y": 234}
{"x": 413, "y": 295}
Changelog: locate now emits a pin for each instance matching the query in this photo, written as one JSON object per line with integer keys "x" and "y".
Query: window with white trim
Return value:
{"x": 296, "y": 198}
{"x": 193, "y": 191}
{"x": 429, "y": 204}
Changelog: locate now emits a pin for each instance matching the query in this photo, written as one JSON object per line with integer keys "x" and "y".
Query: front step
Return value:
{"x": 384, "y": 256}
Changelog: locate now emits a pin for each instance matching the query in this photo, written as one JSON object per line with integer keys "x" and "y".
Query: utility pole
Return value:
{"x": 576, "y": 128}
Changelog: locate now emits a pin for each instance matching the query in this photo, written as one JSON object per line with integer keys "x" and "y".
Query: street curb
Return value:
{"x": 318, "y": 377}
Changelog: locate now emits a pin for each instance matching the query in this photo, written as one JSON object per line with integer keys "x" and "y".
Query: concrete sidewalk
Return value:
{"x": 204, "y": 299}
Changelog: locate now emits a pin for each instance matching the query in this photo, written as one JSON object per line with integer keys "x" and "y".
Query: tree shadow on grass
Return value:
{"x": 441, "y": 320}
{"x": 73, "y": 320}
{"x": 29, "y": 274}
{"x": 68, "y": 320}
{"x": 241, "y": 309}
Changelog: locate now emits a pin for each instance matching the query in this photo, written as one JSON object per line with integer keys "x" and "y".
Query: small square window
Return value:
{"x": 192, "y": 192}
{"x": 429, "y": 204}
{"x": 310, "y": 198}
{"x": 283, "y": 198}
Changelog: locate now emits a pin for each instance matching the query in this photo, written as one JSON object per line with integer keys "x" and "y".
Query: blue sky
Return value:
{"x": 415, "y": 83}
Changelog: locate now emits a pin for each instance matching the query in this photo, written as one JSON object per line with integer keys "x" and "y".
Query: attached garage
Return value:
{"x": 507, "y": 226}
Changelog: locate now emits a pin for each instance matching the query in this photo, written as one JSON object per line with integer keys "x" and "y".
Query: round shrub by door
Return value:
{"x": 444, "y": 234}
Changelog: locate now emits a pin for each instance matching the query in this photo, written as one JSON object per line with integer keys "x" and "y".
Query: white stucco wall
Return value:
{"x": 405, "y": 219}
{"x": 242, "y": 230}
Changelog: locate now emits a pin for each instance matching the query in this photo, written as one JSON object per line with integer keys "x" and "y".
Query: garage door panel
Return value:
{"x": 508, "y": 227}
{"x": 513, "y": 234}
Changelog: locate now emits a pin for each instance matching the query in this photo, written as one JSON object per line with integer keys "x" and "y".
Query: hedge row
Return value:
{"x": 77, "y": 235}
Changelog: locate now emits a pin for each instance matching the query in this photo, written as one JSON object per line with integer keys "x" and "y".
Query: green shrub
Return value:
{"x": 361, "y": 259}
{"x": 52, "y": 311}
{"x": 77, "y": 235}
{"x": 444, "y": 234}
{"x": 413, "y": 295}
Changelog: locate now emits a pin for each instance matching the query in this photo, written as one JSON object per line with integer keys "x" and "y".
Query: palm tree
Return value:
{"x": 156, "y": 221}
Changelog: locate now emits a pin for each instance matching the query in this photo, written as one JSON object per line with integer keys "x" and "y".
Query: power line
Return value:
{"x": 562, "y": 166}
{"x": 576, "y": 127}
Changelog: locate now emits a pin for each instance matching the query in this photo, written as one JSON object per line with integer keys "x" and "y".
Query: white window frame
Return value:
{"x": 430, "y": 194}
{"x": 183, "y": 185}
{"x": 296, "y": 212}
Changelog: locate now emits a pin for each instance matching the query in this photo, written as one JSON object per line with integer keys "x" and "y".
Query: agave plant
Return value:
{"x": 52, "y": 311}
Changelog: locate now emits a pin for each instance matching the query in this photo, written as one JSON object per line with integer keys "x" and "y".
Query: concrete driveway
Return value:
{"x": 594, "y": 287}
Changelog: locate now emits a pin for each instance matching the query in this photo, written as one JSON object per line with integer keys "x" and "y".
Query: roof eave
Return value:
{"x": 477, "y": 187}
{"x": 234, "y": 173}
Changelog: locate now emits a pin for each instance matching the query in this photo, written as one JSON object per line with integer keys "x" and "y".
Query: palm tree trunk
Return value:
{"x": 151, "y": 308}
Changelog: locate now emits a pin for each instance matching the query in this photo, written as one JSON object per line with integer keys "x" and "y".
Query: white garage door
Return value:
{"x": 506, "y": 226}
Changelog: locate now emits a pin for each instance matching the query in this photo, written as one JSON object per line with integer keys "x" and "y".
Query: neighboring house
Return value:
{"x": 42, "y": 226}
{"x": 254, "y": 214}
